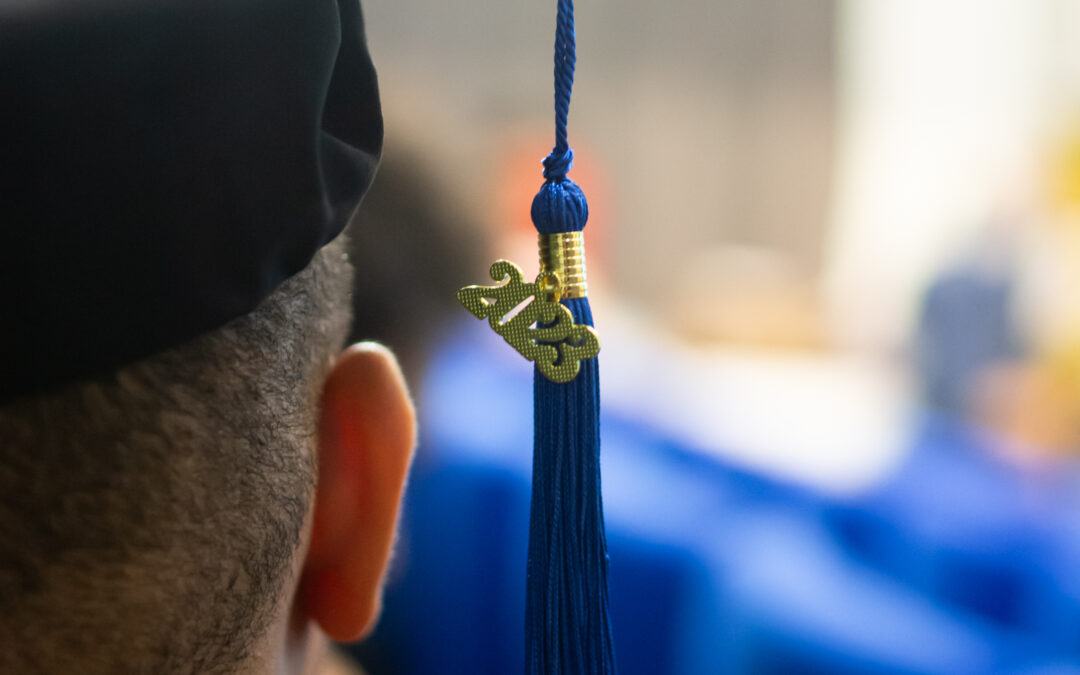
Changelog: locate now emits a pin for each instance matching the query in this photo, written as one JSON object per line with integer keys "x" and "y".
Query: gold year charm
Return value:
{"x": 531, "y": 319}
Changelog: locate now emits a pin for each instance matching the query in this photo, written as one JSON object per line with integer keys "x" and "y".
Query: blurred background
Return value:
{"x": 834, "y": 257}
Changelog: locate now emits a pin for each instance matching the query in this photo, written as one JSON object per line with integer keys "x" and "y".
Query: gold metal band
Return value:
{"x": 563, "y": 255}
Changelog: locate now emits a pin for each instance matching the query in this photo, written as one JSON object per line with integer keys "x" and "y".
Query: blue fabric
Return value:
{"x": 955, "y": 564}
{"x": 984, "y": 538}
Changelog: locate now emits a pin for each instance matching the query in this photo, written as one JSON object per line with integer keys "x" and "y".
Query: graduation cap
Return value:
{"x": 165, "y": 165}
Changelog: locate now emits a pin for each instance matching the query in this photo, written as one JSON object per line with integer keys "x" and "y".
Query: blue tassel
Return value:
{"x": 567, "y": 627}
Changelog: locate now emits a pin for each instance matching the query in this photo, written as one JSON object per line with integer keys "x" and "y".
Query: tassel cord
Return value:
{"x": 558, "y": 163}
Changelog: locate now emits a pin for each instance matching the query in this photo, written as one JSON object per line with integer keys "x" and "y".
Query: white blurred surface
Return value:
{"x": 833, "y": 421}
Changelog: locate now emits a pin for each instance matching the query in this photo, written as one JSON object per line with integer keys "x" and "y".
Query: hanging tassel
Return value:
{"x": 567, "y": 627}
{"x": 549, "y": 322}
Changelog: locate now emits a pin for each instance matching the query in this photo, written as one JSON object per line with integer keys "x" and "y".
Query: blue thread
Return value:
{"x": 560, "y": 206}
{"x": 567, "y": 627}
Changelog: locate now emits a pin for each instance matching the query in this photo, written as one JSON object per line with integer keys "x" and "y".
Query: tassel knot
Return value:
{"x": 558, "y": 164}
{"x": 560, "y": 206}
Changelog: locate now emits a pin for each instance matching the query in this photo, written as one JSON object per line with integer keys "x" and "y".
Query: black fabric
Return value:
{"x": 164, "y": 165}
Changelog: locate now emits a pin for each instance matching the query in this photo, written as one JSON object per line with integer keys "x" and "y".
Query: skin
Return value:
{"x": 366, "y": 436}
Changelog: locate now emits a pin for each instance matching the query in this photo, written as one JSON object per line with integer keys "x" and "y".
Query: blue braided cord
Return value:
{"x": 558, "y": 163}
{"x": 560, "y": 205}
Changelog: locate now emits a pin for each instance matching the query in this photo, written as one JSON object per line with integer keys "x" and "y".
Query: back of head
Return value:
{"x": 150, "y": 519}
{"x": 173, "y": 289}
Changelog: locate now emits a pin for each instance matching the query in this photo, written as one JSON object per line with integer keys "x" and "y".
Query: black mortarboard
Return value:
{"x": 164, "y": 165}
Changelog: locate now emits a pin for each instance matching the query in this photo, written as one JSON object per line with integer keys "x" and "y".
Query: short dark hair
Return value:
{"x": 149, "y": 519}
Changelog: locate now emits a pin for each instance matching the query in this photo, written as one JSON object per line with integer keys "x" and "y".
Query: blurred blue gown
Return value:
{"x": 954, "y": 564}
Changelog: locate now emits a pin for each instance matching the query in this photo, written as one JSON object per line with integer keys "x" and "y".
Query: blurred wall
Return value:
{"x": 946, "y": 110}
{"x": 712, "y": 121}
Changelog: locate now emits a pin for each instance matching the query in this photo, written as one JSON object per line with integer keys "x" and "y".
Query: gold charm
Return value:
{"x": 531, "y": 319}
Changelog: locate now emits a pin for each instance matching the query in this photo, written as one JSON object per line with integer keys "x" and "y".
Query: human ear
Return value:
{"x": 366, "y": 436}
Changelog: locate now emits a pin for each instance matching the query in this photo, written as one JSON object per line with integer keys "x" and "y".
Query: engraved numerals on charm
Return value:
{"x": 532, "y": 322}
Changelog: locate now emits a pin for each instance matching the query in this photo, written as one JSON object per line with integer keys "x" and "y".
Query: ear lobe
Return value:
{"x": 366, "y": 438}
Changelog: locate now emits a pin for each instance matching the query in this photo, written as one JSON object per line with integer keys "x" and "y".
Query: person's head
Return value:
{"x": 160, "y": 520}
{"x": 193, "y": 472}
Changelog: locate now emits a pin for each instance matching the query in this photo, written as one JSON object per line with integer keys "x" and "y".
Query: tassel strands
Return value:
{"x": 567, "y": 625}
{"x": 568, "y": 630}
